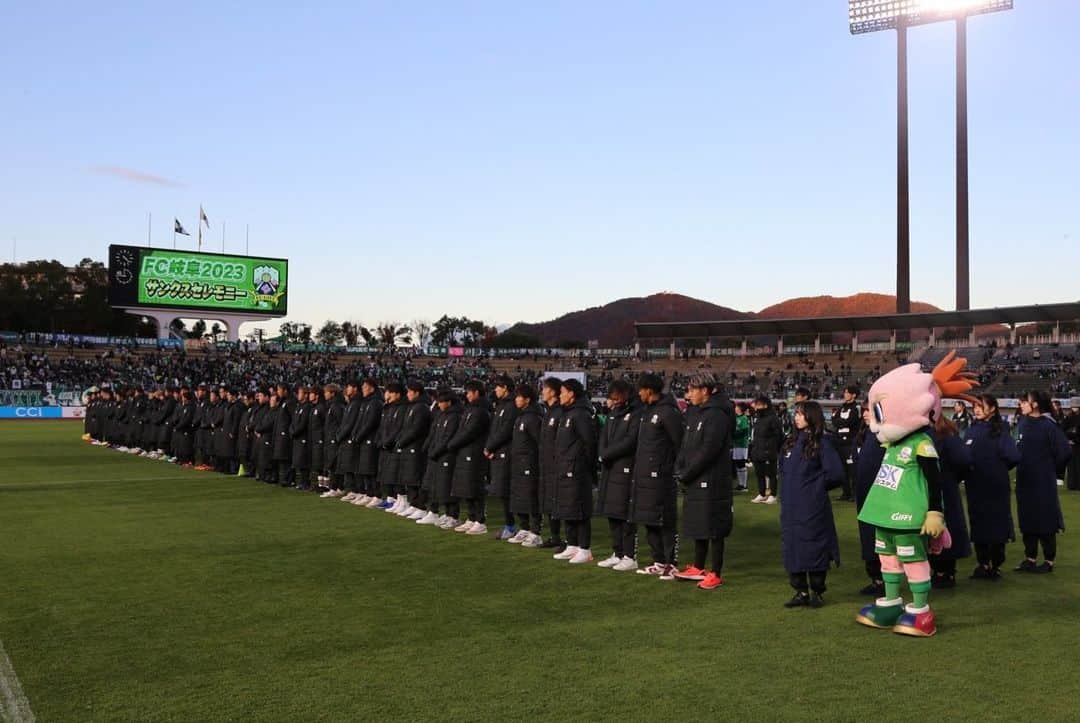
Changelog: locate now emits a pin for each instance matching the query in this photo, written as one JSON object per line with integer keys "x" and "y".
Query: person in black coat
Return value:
{"x": 439, "y": 472}
{"x": 344, "y": 448}
{"x": 173, "y": 424}
{"x": 316, "y": 430}
{"x": 553, "y": 411}
{"x": 470, "y": 465}
{"x": 954, "y": 459}
{"x": 282, "y": 440}
{"x": 867, "y": 463}
{"x": 575, "y": 449}
{"x": 389, "y": 426}
{"x": 525, "y": 466}
{"x": 264, "y": 420}
{"x": 847, "y": 422}
{"x": 201, "y": 429}
{"x": 332, "y": 422}
{"x": 231, "y": 433}
{"x": 1044, "y": 453}
{"x": 988, "y": 488}
{"x": 184, "y": 433}
{"x": 164, "y": 421}
{"x": 810, "y": 467}
{"x": 704, "y": 469}
{"x": 408, "y": 447}
{"x": 215, "y": 415}
{"x": 618, "y": 440}
{"x": 1071, "y": 428}
{"x": 299, "y": 431}
{"x": 766, "y": 436}
{"x": 364, "y": 440}
{"x": 653, "y": 492}
{"x": 245, "y": 438}
{"x": 497, "y": 451}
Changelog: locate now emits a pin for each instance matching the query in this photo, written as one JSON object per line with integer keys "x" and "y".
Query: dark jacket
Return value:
{"x": 246, "y": 436}
{"x": 503, "y": 416}
{"x": 265, "y": 421}
{"x": 847, "y": 421}
{"x": 393, "y": 415}
{"x": 345, "y": 449}
{"x": 282, "y": 427}
{"x": 216, "y": 414}
{"x": 467, "y": 444}
{"x": 364, "y": 435}
{"x": 704, "y": 468}
{"x": 954, "y": 461}
{"x": 575, "y": 449}
{"x": 525, "y": 462}
{"x": 185, "y": 428}
{"x": 335, "y": 412}
{"x": 316, "y": 432}
{"x": 439, "y": 471}
{"x": 766, "y": 436}
{"x": 988, "y": 488}
{"x": 653, "y": 492}
{"x": 1044, "y": 452}
{"x": 164, "y": 422}
{"x": 618, "y": 440}
{"x": 807, "y": 529}
{"x": 552, "y": 417}
{"x": 408, "y": 448}
{"x": 230, "y": 432}
{"x": 299, "y": 428}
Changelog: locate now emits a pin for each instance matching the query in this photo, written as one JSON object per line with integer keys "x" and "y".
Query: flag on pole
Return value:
{"x": 203, "y": 218}
{"x": 177, "y": 228}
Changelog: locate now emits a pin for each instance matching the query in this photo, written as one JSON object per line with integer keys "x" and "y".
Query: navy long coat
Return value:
{"x": 1044, "y": 452}
{"x": 987, "y": 485}
{"x": 867, "y": 465}
{"x": 806, "y": 519}
{"x": 955, "y": 459}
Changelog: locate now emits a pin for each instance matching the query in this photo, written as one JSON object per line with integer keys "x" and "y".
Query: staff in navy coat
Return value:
{"x": 988, "y": 489}
{"x": 954, "y": 461}
{"x": 810, "y": 467}
{"x": 867, "y": 464}
{"x": 1044, "y": 452}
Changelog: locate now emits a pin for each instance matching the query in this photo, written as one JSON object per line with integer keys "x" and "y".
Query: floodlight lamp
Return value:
{"x": 867, "y": 16}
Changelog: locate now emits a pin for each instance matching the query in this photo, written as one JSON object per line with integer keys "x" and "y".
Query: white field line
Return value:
{"x": 14, "y": 707}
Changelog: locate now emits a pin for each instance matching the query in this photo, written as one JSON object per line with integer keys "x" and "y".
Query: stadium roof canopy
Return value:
{"x": 1010, "y": 315}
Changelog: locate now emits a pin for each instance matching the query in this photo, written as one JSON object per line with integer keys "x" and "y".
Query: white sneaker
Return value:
{"x": 610, "y": 562}
{"x": 478, "y": 528}
{"x": 519, "y": 538}
{"x": 566, "y": 554}
{"x": 583, "y": 555}
{"x": 418, "y": 514}
{"x": 349, "y": 497}
{"x": 464, "y": 526}
{"x": 405, "y": 511}
{"x": 654, "y": 569}
{"x": 770, "y": 500}
{"x": 758, "y": 500}
{"x": 428, "y": 519}
{"x": 626, "y": 565}
{"x": 328, "y": 493}
{"x": 361, "y": 500}
{"x": 533, "y": 540}
{"x": 449, "y": 523}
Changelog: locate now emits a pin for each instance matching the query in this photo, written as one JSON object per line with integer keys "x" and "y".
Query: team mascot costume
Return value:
{"x": 904, "y": 504}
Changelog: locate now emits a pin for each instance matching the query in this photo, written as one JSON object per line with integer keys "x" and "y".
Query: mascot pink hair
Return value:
{"x": 904, "y": 504}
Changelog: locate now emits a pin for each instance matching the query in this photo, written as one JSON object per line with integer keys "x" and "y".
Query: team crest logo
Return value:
{"x": 267, "y": 283}
{"x": 905, "y": 454}
{"x": 655, "y": 418}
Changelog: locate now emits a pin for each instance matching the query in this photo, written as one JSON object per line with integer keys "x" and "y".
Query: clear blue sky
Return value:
{"x": 514, "y": 161}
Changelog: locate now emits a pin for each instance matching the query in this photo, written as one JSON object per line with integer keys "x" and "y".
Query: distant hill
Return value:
{"x": 613, "y": 324}
{"x": 864, "y": 304}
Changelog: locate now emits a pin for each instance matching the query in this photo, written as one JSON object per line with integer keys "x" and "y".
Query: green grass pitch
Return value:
{"x": 135, "y": 590}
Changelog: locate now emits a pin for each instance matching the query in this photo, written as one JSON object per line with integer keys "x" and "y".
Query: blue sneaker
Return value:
{"x": 384, "y": 505}
{"x": 508, "y": 532}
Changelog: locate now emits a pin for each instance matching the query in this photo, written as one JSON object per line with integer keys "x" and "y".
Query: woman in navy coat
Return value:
{"x": 867, "y": 464}
{"x": 1044, "y": 452}
{"x": 954, "y": 461}
{"x": 993, "y": 454}
{"x": 810, "y": 466}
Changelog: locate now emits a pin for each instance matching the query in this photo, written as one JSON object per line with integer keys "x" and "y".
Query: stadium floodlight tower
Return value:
{"x": 868, "y": 16}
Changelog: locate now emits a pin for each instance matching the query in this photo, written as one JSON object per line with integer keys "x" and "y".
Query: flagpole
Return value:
{"x": 149, "y": 223}
{"x": 198, "y": 222}
{"x": 247, "y": 238}
{"x": 174, "y": 236}
{"x": 222, "y": 237}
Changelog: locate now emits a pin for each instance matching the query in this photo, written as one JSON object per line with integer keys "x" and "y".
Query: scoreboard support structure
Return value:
{"x": 165, "y": 317}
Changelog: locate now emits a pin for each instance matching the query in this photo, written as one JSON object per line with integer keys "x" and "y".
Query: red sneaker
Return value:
{"x": 919, "y": 625}
{"x": 711, "y": 582}
{"x": 690, "y": 573}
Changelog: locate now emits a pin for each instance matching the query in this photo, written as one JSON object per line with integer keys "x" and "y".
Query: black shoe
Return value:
{"x": 980, "y": 573}
{"x": 1025, "y": 566}
{"x": 816, "y": 600}
{"x": 552, "y": 542}
{"x": 942, "y": 582}
{"x": 1045, "y": 567}
{"x": 876, "y": 589}
{"x": 799, "y": 600}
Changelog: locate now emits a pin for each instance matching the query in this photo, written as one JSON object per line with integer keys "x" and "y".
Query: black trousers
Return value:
{"x": 579, "y": 533}
{"x": 873, "y": 569}
{"x": 766, "y": 476}
{"x": 352, "y": 483}
{"x": 529, "y": 522}
{"x": 1049, "y": 546}
{"x": 990, "y": 555}
{"x": 812, "y": 580}
{"x": 508, "y": 516}
{"x": 664, "y": 543}
{"x": 943, "y": 566}
{"x": 416, "y": 497}
{"x": 285, "y": 473}
{"x": 623, "y": 537}
{"x": 476, "y": 510}
{"x": 453, "y": 508}
{"x": 555, "y": 525}
{"x": 368, "y": 485}
{"x": 701, "y": 551}
{"x": 848, "y": 483}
